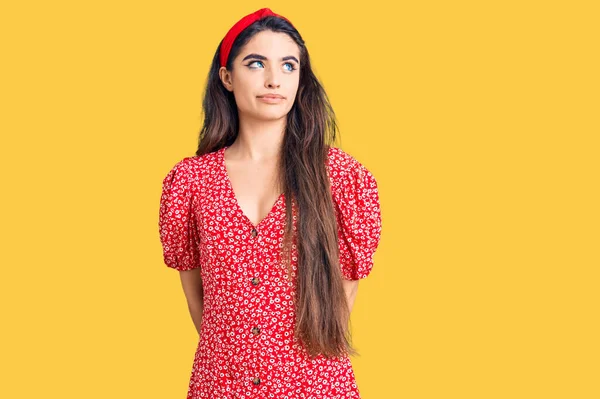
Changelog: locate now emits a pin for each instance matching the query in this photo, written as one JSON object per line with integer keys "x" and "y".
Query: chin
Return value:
{"x": 271, "y": 117}
{"x": 273, "y": 114}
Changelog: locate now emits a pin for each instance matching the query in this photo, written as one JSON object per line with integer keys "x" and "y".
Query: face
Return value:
{"x": 267, "y": 65}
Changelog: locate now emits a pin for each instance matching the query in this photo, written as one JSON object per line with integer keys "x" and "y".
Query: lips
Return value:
{"x": 271, "y": 96}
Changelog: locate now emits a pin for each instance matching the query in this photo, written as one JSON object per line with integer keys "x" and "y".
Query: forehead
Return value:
{"x": 271, "y": 44}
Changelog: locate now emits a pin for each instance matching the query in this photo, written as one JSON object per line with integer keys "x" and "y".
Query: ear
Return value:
{"x": 225, "y": 77}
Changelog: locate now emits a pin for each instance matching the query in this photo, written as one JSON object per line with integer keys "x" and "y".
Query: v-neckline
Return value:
{"x": 233, "y": 197}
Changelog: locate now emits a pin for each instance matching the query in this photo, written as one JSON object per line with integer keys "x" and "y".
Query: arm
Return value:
{"x": 350, "y": 288}
{"x": 191, "y": 282}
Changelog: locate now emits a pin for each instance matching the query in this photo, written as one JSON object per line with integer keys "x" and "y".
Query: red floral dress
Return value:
{"x": 246, "y": 347}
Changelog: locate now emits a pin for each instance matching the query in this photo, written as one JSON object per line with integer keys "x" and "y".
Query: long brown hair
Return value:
{"x": 322, "y": 313}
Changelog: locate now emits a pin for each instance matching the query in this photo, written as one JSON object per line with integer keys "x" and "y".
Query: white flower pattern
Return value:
{"x": 246, "y": 347}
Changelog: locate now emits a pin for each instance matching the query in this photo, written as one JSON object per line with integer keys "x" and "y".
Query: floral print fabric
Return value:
{"x": 247, "y": 348}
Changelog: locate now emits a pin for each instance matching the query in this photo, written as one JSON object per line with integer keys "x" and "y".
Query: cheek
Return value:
{"x": 293, "y": 87}
{"x": 245, "y": 92}
{"x": 243, "y": 97}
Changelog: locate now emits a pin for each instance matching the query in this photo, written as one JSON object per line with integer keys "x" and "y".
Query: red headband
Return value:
{"x": 239, "y": 27}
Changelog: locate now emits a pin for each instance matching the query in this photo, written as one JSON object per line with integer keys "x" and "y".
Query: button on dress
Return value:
{"x": 247, "y": 347}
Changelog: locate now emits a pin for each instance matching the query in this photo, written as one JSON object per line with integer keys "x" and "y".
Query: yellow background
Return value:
{"x": 479, "y": 120}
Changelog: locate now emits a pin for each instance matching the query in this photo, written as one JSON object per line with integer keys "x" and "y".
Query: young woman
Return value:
{"x": 270, "y": 226}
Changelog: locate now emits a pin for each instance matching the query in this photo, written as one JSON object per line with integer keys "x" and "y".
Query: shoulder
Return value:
{"x": 196, "y": 163}
{"x": 191, "y": 171}
{"x": 345, "y": 170}
{"x": 340, "y": 161}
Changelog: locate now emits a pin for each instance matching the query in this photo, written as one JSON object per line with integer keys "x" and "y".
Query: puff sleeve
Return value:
{"x": 177, "y": 222}
{"x": 358, "y": 214}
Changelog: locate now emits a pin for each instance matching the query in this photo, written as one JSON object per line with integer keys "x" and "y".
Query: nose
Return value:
{"x": 272, "y": 81}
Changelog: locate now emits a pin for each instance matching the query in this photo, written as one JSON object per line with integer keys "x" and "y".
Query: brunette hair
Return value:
{"x": 322, "y": 313}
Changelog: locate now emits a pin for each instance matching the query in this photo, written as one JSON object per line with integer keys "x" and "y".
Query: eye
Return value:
{"x": 292, "y": 68}
{"x": 254, "y": 62}
{"x": 291, "y": 65}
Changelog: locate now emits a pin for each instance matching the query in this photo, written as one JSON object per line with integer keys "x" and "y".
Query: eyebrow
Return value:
{"x": 262, "y": 57}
